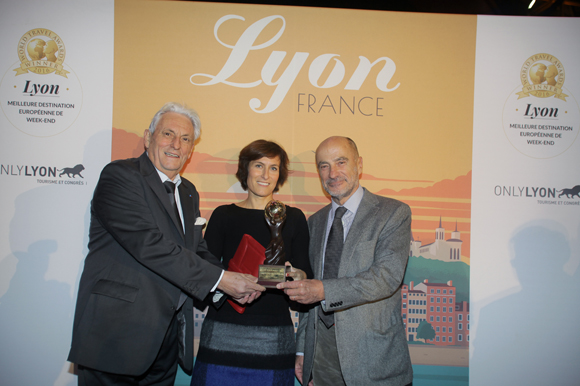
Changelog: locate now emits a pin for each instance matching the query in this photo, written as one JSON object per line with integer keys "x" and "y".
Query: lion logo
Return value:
{"x": 75, "y": 171}
{"x": 575, "y": 191}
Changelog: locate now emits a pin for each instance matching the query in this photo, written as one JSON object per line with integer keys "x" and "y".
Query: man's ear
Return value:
{"x": 147, "y": 138}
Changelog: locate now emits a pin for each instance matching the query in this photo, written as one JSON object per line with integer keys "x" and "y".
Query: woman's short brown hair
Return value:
{"x": 259, "y": 149}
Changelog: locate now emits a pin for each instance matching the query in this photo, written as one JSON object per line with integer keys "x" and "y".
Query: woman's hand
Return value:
{"x": 295, "y": 273}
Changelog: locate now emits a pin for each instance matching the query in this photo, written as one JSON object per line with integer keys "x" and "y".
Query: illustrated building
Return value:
{"x": 462, "y": 314}
{"x": 414, "y": 309}
{"x": 435, "y": 304}
{"x": 440, "y": 249}
{"x": 198, "y": 318}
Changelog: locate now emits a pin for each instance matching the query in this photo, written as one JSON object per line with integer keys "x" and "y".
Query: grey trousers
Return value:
{"x": 326, "y": 367}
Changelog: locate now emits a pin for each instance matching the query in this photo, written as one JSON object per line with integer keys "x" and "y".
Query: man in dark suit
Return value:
{"x": 147, "y": 259}
{"x": 359, "y": 246}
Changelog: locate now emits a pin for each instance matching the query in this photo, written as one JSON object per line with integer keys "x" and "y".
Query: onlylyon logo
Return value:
{"x": 570, "y": 193}
{"x": 45, "y": 174}
{"x": 247, "y": 43}
{"x": 545, "y": 195}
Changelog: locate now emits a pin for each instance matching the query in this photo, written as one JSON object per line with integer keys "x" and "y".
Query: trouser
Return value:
{"x": 161, "y": 373}
{"x": 326, "y": 367}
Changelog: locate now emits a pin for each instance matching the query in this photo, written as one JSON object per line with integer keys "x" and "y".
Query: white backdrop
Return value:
{"x": 44, "y": 221}
{"x": 525, "y": 247}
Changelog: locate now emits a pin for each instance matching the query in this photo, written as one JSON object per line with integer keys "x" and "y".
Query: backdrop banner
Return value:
{"x": 399, "y": 84}
{"x": 56, "y": 88}
{"x": 426, "y": 97}
{"x": 526, "y": 202}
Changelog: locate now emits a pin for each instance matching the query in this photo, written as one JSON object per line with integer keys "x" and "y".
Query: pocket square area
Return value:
{"x": 200, "y": 221}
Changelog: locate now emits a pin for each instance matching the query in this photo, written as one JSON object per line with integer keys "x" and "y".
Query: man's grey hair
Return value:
{"x": 174, "y": 107}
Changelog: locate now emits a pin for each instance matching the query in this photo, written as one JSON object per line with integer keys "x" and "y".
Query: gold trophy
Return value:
{"x": 273, "y": 271}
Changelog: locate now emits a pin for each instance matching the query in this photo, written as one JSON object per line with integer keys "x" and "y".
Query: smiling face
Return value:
{"x": 263, "y": 175}
{"x": 339, "y": 168}
{"x": 171, "y": 144}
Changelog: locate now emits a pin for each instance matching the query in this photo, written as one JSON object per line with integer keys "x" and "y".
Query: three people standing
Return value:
{"x": 147, "y": 260}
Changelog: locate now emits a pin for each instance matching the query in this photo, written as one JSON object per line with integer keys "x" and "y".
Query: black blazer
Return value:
{"x": 139, "y": 262}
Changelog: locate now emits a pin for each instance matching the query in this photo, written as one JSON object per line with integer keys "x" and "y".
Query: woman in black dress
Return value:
{"x": 256, "y": 347}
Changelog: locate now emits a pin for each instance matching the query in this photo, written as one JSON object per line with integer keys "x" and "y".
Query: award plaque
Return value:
{"x": 273, "y": 271}
{"x": 270, "y": 275}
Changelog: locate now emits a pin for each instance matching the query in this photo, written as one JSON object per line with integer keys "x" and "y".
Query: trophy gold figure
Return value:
{"x": 273, "y": 271}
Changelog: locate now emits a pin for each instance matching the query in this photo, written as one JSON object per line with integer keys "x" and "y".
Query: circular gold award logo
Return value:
{"x": 542, "y": 76}
{"x": 41, "y": 51}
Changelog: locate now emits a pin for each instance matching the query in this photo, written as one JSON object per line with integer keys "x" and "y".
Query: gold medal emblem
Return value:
{"x": 41, "y": 51}
{"x": 542, "y": 76}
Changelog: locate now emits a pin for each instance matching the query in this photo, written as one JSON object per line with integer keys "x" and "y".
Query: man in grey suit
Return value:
{"x": 359, "y": 247}
{"x": 147, "y": 259}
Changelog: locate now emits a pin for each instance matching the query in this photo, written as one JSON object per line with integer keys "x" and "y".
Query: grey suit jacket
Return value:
{"x": 138, "y": 264}
{"x": 365, "y": 298}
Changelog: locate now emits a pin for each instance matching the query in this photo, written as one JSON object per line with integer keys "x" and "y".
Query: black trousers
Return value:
{"x": 161, "y": 373}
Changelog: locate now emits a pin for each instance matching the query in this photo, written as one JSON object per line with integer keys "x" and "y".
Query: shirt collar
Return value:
{"x": 176, "y": 180}
{"x": 163, "y": 176}
{"x": 352, "y": 203}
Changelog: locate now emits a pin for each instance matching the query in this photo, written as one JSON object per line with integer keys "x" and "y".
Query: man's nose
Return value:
{"x": 332, "y": 172}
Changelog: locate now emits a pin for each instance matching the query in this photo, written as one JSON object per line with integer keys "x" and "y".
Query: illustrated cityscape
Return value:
{"x": 430, "y": 309}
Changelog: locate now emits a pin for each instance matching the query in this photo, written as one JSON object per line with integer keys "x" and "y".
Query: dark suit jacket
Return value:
{"x": 139, "y": 262}
{"x": 366, "y": 297}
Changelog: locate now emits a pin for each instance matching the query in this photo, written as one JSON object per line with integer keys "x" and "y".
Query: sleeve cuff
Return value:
{"x": 218, "y": 282}
{"x": 218, "y": 294}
